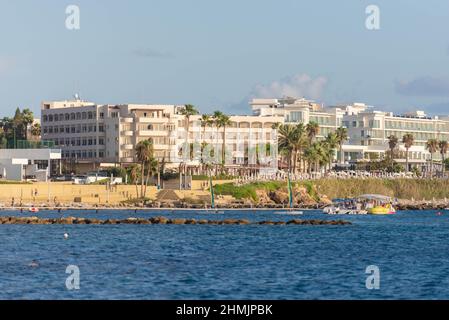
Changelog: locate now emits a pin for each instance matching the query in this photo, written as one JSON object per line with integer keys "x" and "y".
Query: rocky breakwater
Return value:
{"x": 159, "y": 220}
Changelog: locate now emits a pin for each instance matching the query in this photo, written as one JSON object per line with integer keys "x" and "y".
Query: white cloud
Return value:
{"x": 299, "y": 85}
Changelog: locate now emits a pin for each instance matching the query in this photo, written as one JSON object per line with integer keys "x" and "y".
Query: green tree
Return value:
{"x": 342, "y": 137}
{"x": 432, "y": 147}
{"x": 443, "y": 145}
{"x": 188, "y": 111}
{"x": 27, "y": 120}
{"x": 312, "y": 129}
{"x": 408, "y": 140}
{"x": 392, "y": 144}
{"x": 144, "y": 152}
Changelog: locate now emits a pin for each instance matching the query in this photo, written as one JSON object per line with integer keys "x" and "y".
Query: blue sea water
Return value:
{"x": 410, "y": 248}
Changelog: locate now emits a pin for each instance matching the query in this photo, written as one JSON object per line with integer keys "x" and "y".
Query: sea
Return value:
{"x": 401, "y": 256}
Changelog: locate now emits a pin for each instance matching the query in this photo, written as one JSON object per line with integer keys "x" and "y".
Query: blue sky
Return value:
{"x": 219, "y": 54}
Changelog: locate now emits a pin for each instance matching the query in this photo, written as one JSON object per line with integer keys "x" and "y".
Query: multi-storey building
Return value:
{"x": 91, "y": 134}
{"x": 368, "y": 129}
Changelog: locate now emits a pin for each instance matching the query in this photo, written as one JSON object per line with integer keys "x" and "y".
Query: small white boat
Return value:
{"x": 212, "y": 211}
{"x": 290, "y": 212}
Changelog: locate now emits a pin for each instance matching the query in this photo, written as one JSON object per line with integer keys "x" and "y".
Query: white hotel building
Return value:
{"x": 92, "y": 135}
{"x": 368, "y": 129}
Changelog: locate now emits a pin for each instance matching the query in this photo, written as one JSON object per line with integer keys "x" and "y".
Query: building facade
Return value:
{"x": 368, "y": 129}
{"x": 90, "y": 135}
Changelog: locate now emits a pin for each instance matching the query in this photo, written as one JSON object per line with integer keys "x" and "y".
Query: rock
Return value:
{"x": 279, "y": 196}
{"x": 177, "y": 221}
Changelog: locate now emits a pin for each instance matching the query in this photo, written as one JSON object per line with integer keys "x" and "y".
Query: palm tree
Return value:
{"x": 299, "y": 143}
{"x": 36, "y": 130}
{"x": 134, "y": 175}
{"x": 152, "y": 168}
{"x": 225, "y": 122}
{"x": 27, "y": 119}
{"x": 392, "y": 144}
{"x": 342, "y": 137}
{"x": 408, "y": 141}
{"x": 287, "y": 136}
{"x": 144, "y": 152}
{"x": 312, "y": 129}
{"x": 222, "y": 121}
{"x": 444, "y": 147}
{"x": 188, "y": 111}
{"x": 432, "y": 147}
{"x": 206, "y": 120}
{"x": 331, "y": 143}
{"x": 313, "y": 155}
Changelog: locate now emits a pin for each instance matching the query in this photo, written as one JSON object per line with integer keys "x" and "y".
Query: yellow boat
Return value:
{"x": 388, "y": 209}
{"x": 381, "y": 204}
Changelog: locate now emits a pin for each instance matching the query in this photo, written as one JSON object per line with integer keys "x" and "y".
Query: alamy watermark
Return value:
{"x": 253, "y": 147}
{"x": 72, "y": 21}
{"x": 373, "y": 280}
{"x": 372, "y": 21}
{"x": 73, "y": 280}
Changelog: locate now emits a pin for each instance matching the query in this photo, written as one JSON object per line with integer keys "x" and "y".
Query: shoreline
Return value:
{"x": 405, "y": 206}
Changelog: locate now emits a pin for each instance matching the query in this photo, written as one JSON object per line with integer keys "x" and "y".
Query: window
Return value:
{"x": 72, "y": 116}
{"x": 101, "y": 115}
{"x": 84, "y": 142}
{"x": 84, "y": 115}
{"x": 50, "y": 118}
{"x": 56, "y": 117}
{"x": 67, "y": 117}
{"x": 101, "y": 141}
{"x": 44, "y": 129}
{"x": 45, "y": 118}
{"x": 89, "y": 115}
{"x": 101, "y": 154}
{"x": 78, "y": 116}
{"x": 100, "y": 128}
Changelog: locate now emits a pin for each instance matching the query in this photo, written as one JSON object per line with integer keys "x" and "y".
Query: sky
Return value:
{"x": 218, "y": 55}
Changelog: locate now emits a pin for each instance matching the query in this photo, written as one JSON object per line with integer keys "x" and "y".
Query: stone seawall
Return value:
{"x": 159, "y": 220}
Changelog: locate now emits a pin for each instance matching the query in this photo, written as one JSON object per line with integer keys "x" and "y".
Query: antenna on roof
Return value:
{"x": 76, "y": 96}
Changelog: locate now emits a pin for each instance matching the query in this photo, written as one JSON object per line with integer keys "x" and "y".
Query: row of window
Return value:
{"x": 71, "y": 116}
{"x": 85, "y": 141}
{"x": 83, "y": 154}
{"x": 73, "y": 129}
{"x": 407, "y": 125}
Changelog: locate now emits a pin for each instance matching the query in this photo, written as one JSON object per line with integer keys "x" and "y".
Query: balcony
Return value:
{"x": 152, "y": 133}
{"x": 127, "y": 133}
{"x": 127, "y": 147}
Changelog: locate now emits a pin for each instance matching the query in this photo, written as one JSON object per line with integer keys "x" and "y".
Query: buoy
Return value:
{"x": 66, "y": 235}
